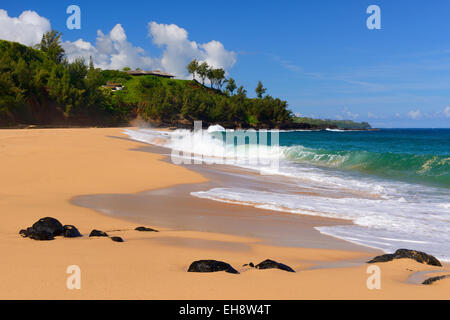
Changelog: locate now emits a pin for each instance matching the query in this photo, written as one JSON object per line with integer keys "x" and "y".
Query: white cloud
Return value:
{"x": 346, "y": 114}
{"x": 79, "y": 48}
{"x": 447, "y": 112}
{"x": 114, "y": 51}
{"x": 287, "y": 64}
{"x": 350, "y": 115}
{"x": 414, "y": 114}
{"x": 111, "y": 51}
{"x": 216, "y": 55}
{"x": 27, "y": 29}
{"x": 179, "y": 50}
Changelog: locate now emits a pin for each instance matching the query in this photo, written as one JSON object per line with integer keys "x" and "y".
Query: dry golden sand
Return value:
{"x": 42, "y": 169}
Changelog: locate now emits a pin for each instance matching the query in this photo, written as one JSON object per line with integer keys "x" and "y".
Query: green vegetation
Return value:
{"x": 332, "y": 124}
{"x": 215, "y": 76}
{"x": 39, "y": 86}
{"x": 180, "y": 102}
{"x": 260, "y": 90}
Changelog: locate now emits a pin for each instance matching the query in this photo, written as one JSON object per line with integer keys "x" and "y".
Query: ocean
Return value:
{"x": 394, "y": 184}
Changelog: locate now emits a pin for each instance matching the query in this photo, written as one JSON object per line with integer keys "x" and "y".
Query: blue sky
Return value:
{"x": 317, "y": 55}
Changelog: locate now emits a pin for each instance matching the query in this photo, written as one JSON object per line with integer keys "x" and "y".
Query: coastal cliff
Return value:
{"x": 41, "y": 90}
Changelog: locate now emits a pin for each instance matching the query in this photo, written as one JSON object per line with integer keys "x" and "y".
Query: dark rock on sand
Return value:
{"x": 382, "y": 258}
{"x": 71, "y": 232}
{"x": 44, "y": 229}
{"x": 41, "y": 235}
{"x": 146, "y": 229}
{"x": 48, "y": 225}
{"x": 249, "y": 265}
{"x": 33, "y": 234}
{"x": 98, "y": 233}
{"x": 117, "y": 239}
{"x": 211, "y": 266}
{"x": 419, "y": 256}
{"x": 434, "y": 279}
{"x": 270, "y": 264}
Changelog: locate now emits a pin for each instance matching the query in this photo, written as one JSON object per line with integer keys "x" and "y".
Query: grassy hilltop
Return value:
{"x": 180, "y": 102}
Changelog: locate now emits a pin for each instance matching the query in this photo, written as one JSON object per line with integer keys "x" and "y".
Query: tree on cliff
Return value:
{"x": 231, "y": 86}
{"x": 202, "y": 71}
{"x": 51, "y": 45}
{"x": 193, "y": 67}
{"x": 260, "y": 90}
{"x": 218, "y": 76}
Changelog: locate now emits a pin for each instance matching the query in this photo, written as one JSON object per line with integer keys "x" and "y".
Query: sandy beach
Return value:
{"x": 43, "y": 170}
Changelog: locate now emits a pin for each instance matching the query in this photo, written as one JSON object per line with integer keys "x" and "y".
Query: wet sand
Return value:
{"x": 162, "y": 207}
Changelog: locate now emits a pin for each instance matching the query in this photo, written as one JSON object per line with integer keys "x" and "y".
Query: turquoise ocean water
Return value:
{"x": 394, "y": 184}
{"x": 412, "y": 155}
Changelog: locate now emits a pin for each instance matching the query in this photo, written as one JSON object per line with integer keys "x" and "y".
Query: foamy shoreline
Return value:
{"x": 386, "y": 214}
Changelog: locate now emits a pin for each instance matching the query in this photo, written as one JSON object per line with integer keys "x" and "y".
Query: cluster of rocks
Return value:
{"x": 215, "y": 266}
{"x": 418, "y": 256}
{"x": 49, "y": 228}
{"x": 98, "y": 233}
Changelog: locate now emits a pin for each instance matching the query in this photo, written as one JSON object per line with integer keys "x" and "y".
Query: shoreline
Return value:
{"x": 44, "y": 169}
{"x": 164, "y": 126}
{"x": 280, "y": 227}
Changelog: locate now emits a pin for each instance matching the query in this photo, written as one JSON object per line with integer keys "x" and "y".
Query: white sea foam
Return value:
{"x": 215, "y": 128}
{"x": 387, "y": 214}
{"x": 387, "y": 224}
{"x": 335, "y": 130}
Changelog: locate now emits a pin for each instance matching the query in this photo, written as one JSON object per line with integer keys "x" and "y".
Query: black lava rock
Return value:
{"x": 71, "y": 232}
{"x": 48, "y": 225}
{"x": 270, "y": 264}
{"x": 146, "y": 229}
{"x": 434, "y": 279}
{"x": 117, "y": 239}
{"x": 98, "y": 233}
{"x": 33, "y": 234}
{"x": 41, "y": 235}
{"x": 211, "y": 266}
{"x": 419, "y": 256}
{"x": 382, "y": 258}
{"x": 44, "y": 229}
